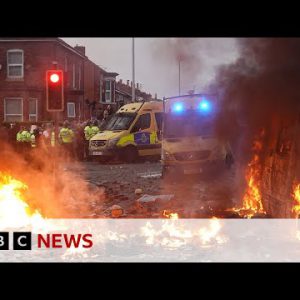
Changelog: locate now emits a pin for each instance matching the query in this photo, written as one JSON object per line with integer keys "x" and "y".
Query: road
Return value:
{"x": 190, "y": 197}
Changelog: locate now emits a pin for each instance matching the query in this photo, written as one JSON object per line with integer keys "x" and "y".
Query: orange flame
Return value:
{"x": 252, "y": 200}
{"x": 296, "y": 196}
{"x": 14, "y": 210}
{"x": 173, "y": 216}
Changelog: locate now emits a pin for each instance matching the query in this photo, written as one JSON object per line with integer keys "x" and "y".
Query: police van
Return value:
{"x": 133, "y": 131}
{"x": 189, "y": 142}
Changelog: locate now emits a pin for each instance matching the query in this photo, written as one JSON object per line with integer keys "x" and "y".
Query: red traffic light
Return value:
{"x": 54, "y": 78}
{"x": 55, "y": 90}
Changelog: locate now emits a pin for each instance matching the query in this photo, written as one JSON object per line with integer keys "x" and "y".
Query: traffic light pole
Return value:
{"x": 55, "y": 150}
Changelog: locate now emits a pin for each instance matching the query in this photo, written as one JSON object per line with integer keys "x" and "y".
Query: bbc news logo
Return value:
{"x": 23, "y": 240}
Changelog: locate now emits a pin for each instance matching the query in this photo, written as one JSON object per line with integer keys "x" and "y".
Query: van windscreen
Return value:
{"x": 191, "y": 124}
{"x": 120, "y": 121}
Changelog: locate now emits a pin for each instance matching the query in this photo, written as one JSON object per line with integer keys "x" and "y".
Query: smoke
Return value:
{"x": 198, "y": 59}
{"x": 52, "y": 189}
{"x": 259, "y": 89}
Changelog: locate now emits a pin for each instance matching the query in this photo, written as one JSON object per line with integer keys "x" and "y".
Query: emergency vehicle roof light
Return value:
{"x": 205, "y": 106}
{"x": 178, "y": 107}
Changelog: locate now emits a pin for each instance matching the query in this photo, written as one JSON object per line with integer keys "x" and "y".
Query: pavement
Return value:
{"x": 119, "y": 186}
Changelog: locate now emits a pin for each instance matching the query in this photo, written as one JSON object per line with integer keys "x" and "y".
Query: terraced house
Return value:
{"x": 23, "y": 66}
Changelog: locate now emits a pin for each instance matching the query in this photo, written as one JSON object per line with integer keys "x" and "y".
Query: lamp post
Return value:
{"x": 179, "y": 75}
{"x": 133, "y": 73}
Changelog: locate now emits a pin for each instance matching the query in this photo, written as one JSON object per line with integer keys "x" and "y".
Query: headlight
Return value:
{"x": 112, "y": 143}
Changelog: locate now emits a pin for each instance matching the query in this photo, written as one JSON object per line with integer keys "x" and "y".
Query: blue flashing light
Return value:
{"x": 178, "y": 107}
{"x": 205, "y": 106}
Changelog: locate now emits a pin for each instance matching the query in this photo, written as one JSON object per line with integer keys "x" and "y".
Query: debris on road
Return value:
{"x": 138, "y": 191}
{"x": 155, "y": 198}
{"x": 116, "y": 211}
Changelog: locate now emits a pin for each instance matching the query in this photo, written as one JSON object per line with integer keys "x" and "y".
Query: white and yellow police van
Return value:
{"x": 133, "y": 131}
{"x": 189, "y": 141}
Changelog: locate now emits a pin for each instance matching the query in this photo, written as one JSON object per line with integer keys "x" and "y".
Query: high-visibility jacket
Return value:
{"x": 95, "y": 130}
{"x": 24, "y": 136}
{"x": 19, "y": 136}
{"x": 90, "y": 131}
{"x": 66, "y": 135}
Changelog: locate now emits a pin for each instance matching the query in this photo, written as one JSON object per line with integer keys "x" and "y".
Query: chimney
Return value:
{"x": 155, "y": 96}
{"x": 120, "y": 81}
{"x": 137, "y": 86}
{"x": 131, "y": 83}
{"x": 80, "y": 49}
{"x": 127, "y": 82}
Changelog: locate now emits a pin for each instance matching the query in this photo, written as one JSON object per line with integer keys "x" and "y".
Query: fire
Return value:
{"x": 296, "y": 196}
{"x": 252, "y": 200}
{"x": 173, "y": 216}
{"x": 14, "y": 210}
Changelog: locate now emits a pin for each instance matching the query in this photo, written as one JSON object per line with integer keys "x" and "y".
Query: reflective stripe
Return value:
{"x": 153, "y": 138}
{"x": 129, "y": 138}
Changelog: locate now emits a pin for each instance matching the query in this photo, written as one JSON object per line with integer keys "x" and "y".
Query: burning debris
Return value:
{"x": 169, "y": 215}
{"x": 14, "y": 209}
{"x": 296, "y": 197}
{"x": 252, "y": 200}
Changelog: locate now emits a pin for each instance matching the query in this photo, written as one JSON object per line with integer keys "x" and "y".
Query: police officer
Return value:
{"x": 24, "y": 140}
{"x": 89, "y": 131}
{"x": 66, "y": 138}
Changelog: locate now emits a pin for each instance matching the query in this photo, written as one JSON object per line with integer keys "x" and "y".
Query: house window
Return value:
{"x": 71, "y": 110}
{"x": 33, "y": 110}
{"x": 15, "y": 63}
{"x": 13, "y": 109}
{"x": 108, "y": 91}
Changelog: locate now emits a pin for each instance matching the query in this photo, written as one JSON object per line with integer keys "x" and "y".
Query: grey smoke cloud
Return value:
{"x": 156, "y": 60}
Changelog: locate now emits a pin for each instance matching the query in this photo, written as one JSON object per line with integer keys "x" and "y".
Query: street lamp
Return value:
{"x": 133, "y": 73}
{"x": 179, "y": 75}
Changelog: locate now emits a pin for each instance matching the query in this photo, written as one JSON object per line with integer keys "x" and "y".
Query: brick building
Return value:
{"x": 23, "y": 66}
{"x": 88, "y": 89}
{"x": 99, "y": 89}
{"x": 124, "y": 93}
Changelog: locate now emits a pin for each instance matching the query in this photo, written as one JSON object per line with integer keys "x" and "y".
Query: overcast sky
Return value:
{"x": 157, "y": 60}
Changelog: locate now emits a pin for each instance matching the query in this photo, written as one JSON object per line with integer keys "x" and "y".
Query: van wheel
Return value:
{"x": 130, "y": 154}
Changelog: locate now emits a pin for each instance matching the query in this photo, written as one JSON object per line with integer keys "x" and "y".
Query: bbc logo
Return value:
{"x": 21, "y": 240}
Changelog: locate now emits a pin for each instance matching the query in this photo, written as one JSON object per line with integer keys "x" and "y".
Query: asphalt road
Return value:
{"x": 190, "y": 196}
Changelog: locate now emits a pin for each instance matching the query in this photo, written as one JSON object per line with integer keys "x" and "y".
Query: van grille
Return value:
{"x": 195, "y": 155}
{"x": 99, "y": 143}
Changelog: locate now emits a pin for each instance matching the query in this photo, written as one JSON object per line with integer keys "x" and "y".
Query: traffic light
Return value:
{"x": 55, "y": 90}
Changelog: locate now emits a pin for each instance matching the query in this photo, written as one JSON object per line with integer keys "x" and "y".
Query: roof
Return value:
{"x": 54, "y": 39}
{"x": 134, "y": 107}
